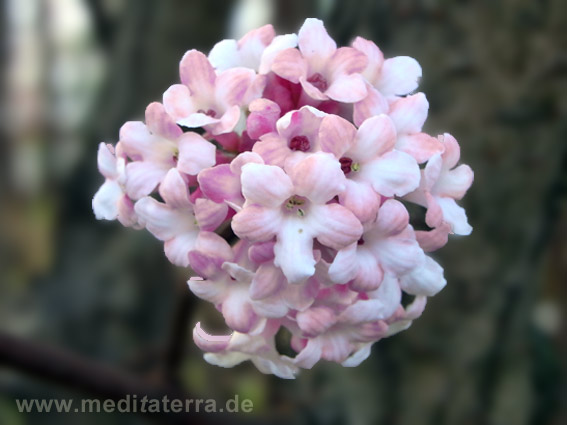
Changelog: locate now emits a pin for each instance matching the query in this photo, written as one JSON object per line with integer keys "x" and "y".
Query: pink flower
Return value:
{"x": 158, "y": 146}
{"x": 222, "y": 182}
{"x": 297, "y": 132}
{"x": 391, "y": 77}
{"x": 387, "y": 245}
{"x": 205, "y": 99}
{"x": 323, "y": 71}
{"x": 408, "y": 115}
{"x": 441, "y": 185}
{"x": 293, "y": 207}
{"x": 262, "y": 119}
{"x": 271, "y": 294}
{"x": 227, "y": 283}
{"x": 370, "y": 163}
{"x": 327, "y": 329}
{"x": 255, "y": 50}
{"x": 110, "y": 201}
{"x": 308, "y": 184}
{"x": 178, "y": 222}
{"x": 231, "y": 350}
{"x": 426, "y": 279}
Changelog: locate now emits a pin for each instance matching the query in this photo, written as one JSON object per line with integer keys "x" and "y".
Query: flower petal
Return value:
{"x": 273, "y": 149}
{"x": 209, "y": 253}
{"x": 318, "y": 177}
{"x": 178, "y": 103}
{"x": 344, "y": 265}
{"x": 333, "y": 225}
{"x": 375, "y": 137}
{"x": 310, "y": 354}
{"x": 256, "y": 223}
{"x": 314, "y": 41}
{"x": 382, "y": 303}
{"x": 399, "y": 255}
{"x": 455, "y": 216}
{"x": 294, "y": 250}
{"x": 174, "y": 190}
{"x": 106, "y": 162}
{"x": 195, "y": 153}
{"x": 105, "y": 201}
{"x": 232, "y": 85}
{"x": 238, "y": 312}
{"x": 395, "y": 173}
{"x": 224, "y": 55}
{"x": 455, "y": 183}
{"x": 208, "y": 342}
{"x": 393, "y": 218}
{"x": 336, "y": 135}
{"x": 374, "y": 55}
{"x": 280, "y": 43}
{"x": 208, "y": 290}
{"x": 347, "y": 88}
{"x": 452, "y": 152}
{"x": 209, "y": 214}
{"x": 219, "y": 183}
{"x": 358, "y": 356}
{"x": 289, "y": 64}
{"x": 434, "y": 239}
{"x": 424, "y": 280}
{"x": 373, "y": 104}
{"x": 143, "y": 177}
{"x": 345, "y": 61}
{"x": 226, "y": 359}
{"x": 197, "y": 73}
{"x": 400, "y": 75}
{"x": 177, "y": 249}
{"x": 160, "y": 123}
{"x": 262, "y": 119}
{"x": 136, "y": 140}
{"x": 369, "y": 274}
{"x": 162, "y": 221}
{"x": 267, "y": 280}
{"x": 409, "y": 113}
{"x": 420, "y": 145}
{"x": 316, "y": 320}
{"x": 266, "y": 185}
{"x": 361, "y": 199}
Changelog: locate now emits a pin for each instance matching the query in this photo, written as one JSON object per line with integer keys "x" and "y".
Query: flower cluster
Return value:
{"x": 310, "y": 153}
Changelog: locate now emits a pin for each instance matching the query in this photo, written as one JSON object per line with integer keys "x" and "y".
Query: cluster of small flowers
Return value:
{"x": 309, "y": 151}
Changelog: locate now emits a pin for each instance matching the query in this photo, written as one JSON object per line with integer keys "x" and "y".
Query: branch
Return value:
{"x": 71, "y": 370}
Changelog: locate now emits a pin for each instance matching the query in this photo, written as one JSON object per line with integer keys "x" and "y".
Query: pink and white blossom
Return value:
{"x": 230, "y": 350}
{"x": 323, "y": 71}
{"x": 391, "y": 77}
{"x": 157, "y": 146}
{"x": 388, "y": 245}
{"x": 442, "y": 184}
{"x": 293, "y": 207}
{"x": 111, "y": 201}
{"x": 309, "y": 153}
{"x": 205, "y": 99}
{"x": 255, "y": 50}
{"x": 175, "y": 222}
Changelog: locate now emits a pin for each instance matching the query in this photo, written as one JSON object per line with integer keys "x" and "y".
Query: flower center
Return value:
{"x": 347, "y": 165}
{"x": 296, "y": 204}
{"x": 210, "y": 112}
{"x": 360, "y": 241}
{"x": 318, "y": 81}
{"x": 299, "y": 143}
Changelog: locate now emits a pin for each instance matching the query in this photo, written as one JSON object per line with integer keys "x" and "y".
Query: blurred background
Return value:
{"x": 491, "y": 348}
